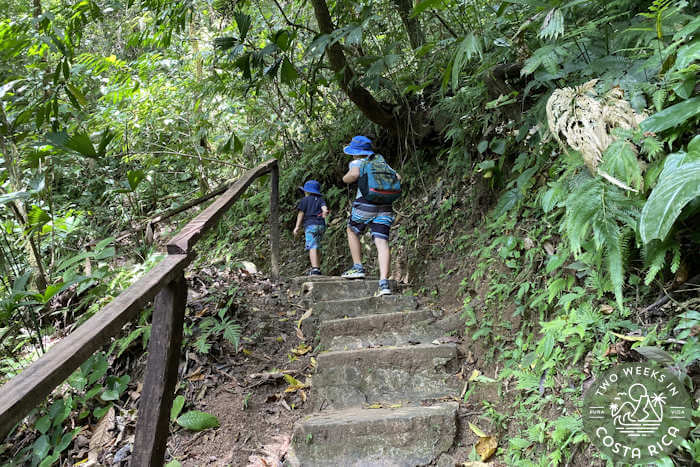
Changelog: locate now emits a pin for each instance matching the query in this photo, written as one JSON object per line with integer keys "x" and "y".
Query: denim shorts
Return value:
{"x": 379, "y": 220}
{"x": 313, "y": 235}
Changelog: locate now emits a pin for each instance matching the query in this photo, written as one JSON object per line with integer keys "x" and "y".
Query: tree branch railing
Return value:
{"x": 165, "y": 285}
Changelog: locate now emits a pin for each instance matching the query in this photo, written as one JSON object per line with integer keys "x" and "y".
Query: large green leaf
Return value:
{"x": 468, "y": 48}
{"x": 676, "y": 189}
{"x": 114, "y": 387}
{"x": 283, "y": 39}
{"x": 41, "y": 446}
{"x": 288, "y": 74}
{"x": 424, "y": 5}
{"x": 135, "y": 178}
{"x": 195, "y": 420}
{"x": 79, "y": 142}
{"x": 243, "y": 22}
{"x": 672, "y": 116}
{"x": 687, "y": 55}
{"x": 4, "y": 199}
{"x": 178, "y": 404}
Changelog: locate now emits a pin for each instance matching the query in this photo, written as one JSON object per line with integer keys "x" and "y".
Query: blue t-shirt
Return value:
{"x": 311, "y": 207}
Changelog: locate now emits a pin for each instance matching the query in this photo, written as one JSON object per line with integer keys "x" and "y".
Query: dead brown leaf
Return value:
{"x": 196, "y": 375}
{"x": 549, "y": 248}
{"x": 101, "y": 435}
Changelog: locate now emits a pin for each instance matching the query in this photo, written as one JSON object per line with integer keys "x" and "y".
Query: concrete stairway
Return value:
{"x": 383, "y": 391}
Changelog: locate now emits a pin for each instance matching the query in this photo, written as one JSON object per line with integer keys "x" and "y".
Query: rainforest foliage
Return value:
{"x": 551, "y": 144}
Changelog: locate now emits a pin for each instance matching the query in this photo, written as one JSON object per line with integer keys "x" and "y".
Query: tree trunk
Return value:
{"x": 412, "y": 25}
{"x": 17, "y": 207}
{"x": 362, "y": 98}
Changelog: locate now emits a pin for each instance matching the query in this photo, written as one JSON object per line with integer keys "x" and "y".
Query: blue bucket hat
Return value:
{"x": 312, "y": 186}
{"x": 359, "y": 146}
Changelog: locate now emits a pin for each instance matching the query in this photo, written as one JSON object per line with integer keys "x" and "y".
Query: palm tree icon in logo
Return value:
{"x": 637, "y": 414}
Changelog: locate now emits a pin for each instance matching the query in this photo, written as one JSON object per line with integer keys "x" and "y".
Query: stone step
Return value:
{"x": 406, "y": 436}
{"x": 317, "y": 291}
{"x": 299, "y": 280}
{"x": 385, "y": 375}
{"x": 400, "y": 328}
{"x": 336, "y": 309}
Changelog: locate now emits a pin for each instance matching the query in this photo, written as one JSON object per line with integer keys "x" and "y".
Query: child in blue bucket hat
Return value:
{"x": 312, "y": 213}
{"x": 378, "y": 218}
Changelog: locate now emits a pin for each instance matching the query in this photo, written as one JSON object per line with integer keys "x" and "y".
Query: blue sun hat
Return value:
{"x": 359, "y": 146}
{"x": 312, "y": 186}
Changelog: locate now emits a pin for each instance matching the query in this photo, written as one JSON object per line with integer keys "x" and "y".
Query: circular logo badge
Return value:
{"x": 637, "y": 413}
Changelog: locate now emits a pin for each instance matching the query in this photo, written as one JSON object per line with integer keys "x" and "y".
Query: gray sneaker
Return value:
{"x": 383, "y": 290}
{"x": 353, "y": 273}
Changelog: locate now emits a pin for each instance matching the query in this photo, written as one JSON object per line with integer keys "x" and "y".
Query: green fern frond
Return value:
{"x": 599, "y": 211}
{"x": 201, "y": 345}
{"x": 652, "y": 147}
{"x": 232, "y": 333}
{"x": 659, "y": 97}
{"x": 676, "y": 260}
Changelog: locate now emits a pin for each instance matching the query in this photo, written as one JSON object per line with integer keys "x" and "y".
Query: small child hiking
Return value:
{"x": 312, "y": 213}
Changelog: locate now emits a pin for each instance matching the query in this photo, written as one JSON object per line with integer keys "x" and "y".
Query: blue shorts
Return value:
{"x": 379, "y": 220}
{"x": 313, "y": 235}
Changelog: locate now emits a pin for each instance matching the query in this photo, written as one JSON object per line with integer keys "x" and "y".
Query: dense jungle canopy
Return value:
{"x": 549, "y": 150}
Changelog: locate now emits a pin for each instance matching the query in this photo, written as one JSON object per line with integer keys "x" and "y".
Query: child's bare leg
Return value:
{"x": 315, "y": 258}
{"x": 384, "y": 253}
{"x": 355, "y": 246}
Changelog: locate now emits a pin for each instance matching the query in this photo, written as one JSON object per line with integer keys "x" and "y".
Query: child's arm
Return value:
{"x": 300, "y": 219}
{"x": 353, "y": 172}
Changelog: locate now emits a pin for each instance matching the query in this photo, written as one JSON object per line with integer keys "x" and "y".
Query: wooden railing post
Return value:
{"x": 275, "y": 221}
{"x": 153, "y": 421}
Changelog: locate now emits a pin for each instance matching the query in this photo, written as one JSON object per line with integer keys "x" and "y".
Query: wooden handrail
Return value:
{"x": 183, "y": 242}
{"x": 166, "y": 283}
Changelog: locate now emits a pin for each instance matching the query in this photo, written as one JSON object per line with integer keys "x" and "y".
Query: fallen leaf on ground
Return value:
{"x": 196, "y": 375}
{"x": 101, "y": 435}
{"x": 375, "y": 406}
{"x": 249, "y": 267}
{"x": 294, "y": 384}
{"x": 306, "y": 314}
{"x": 628, "y": 337}
{"x": 474, "y": 374}
{"x": 273, "y": 453}
{"x": 606, "y": 309}
{"x": 486, "y": 446}
{"x": 302, "y": 349}
{"x": 477, "y": 431}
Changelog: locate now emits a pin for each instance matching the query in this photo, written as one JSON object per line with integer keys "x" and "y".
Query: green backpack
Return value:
{"x": 378, "y": 182}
